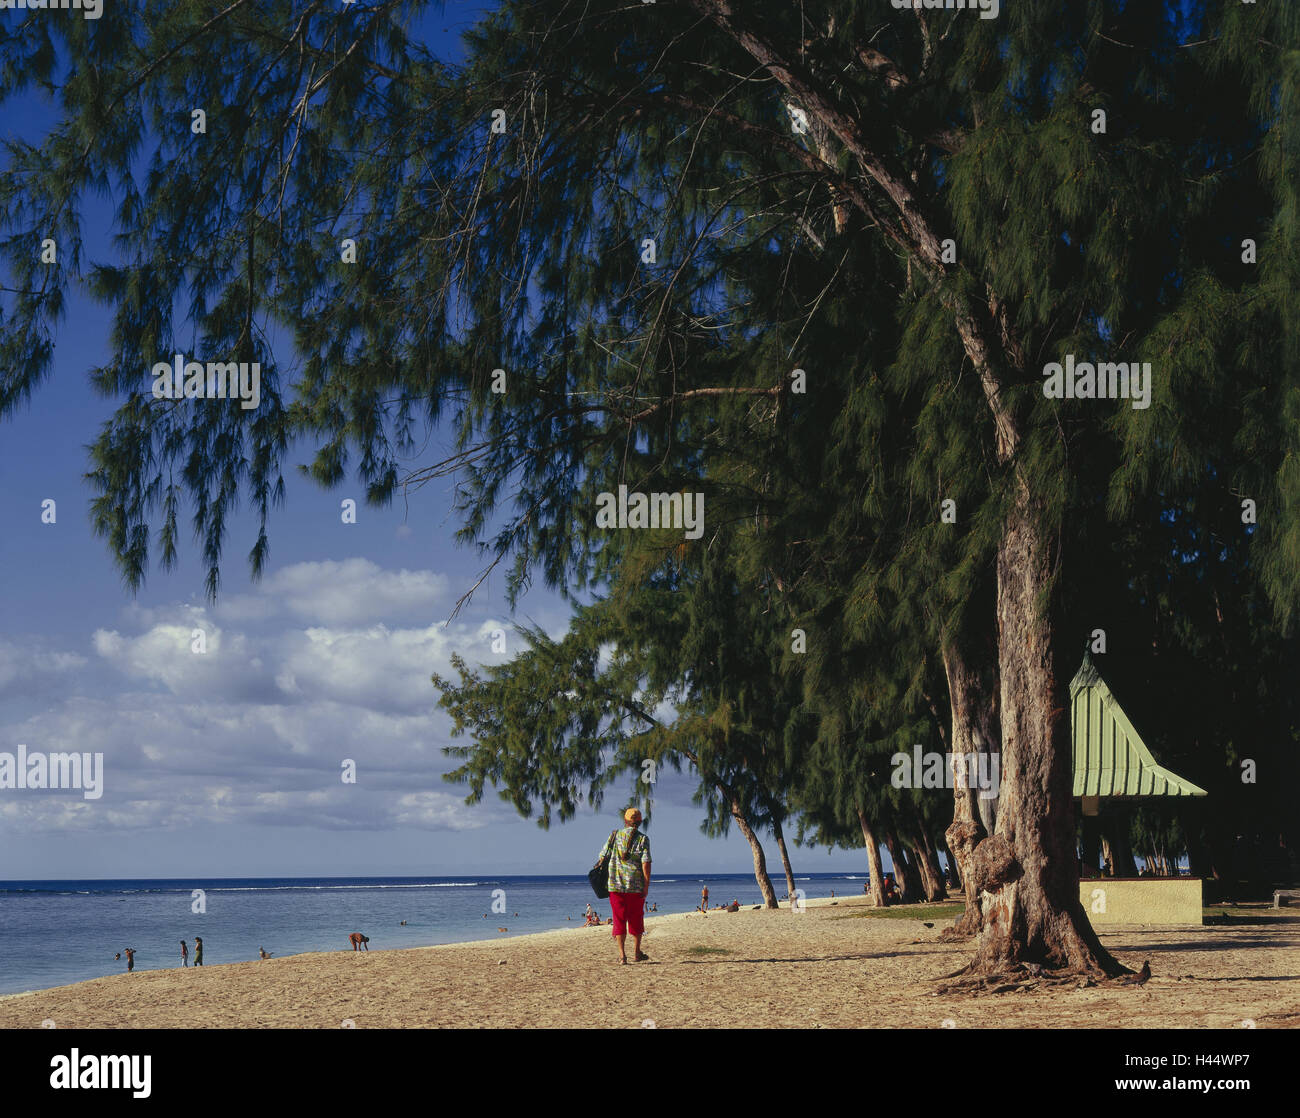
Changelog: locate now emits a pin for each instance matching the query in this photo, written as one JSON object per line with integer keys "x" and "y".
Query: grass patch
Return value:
{"x": 932, "y": 912}
{"x": 708, "y": 951}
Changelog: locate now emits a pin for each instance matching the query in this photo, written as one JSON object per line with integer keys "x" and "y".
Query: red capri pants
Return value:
{"x": 629, "y": 913}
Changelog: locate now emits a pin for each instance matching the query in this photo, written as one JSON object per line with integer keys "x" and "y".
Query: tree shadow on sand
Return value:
{"x": 1209, "y": 945}
{"x": 825, "y": 958}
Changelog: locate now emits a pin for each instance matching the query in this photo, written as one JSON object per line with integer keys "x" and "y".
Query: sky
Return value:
{"x": 228, "y": 763}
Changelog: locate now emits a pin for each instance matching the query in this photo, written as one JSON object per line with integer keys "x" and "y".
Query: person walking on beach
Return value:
{"x": 185, "y": 955}
{"x": 629, "y": 881}
{"x": 704, "y": 900}
{"x": 198, "y": 952}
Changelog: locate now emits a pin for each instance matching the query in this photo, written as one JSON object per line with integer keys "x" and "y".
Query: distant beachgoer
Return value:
{"x": 403, "y": 923}
{"x": 185, "y": 955}
{"x": 590, "y": 911}
{"x": 263, "y": 952}
{"x": 832, "y": 894}
{"x": 198, "y": 952}
{"x": 358, "y": 941}
{"x": 704, "y": 899}
{"x": 117, "y": 956}
{"x": 629, "y": 881}
{"x": 130, "y": 958}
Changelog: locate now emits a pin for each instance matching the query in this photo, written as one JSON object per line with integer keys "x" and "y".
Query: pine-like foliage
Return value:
{"x": 800, "y": 174}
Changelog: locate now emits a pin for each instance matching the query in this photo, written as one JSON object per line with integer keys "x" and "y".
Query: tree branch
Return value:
{"x": 974, "y": 325}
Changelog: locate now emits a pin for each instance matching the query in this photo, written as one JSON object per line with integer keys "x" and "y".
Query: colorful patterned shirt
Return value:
{"x": 630, "y": 849}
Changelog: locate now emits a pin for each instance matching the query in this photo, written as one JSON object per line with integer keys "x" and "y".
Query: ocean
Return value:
{"x": 57, "y": 932}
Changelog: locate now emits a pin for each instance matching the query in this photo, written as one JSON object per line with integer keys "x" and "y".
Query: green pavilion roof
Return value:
{"x": 1110, "y": 758}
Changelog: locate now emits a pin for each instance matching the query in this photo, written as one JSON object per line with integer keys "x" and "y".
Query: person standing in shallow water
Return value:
{"x": 629, "y": 881}
{"x": 198, "y": 952}
{"x": 185, "y": 955}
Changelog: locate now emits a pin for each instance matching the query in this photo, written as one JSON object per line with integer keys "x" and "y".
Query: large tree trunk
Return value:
{"x": 903, "y": 876}
{"x": 974, "y": 722}
{"x": 874, "y": 866}
{"x": 1198, "y": 855}
{"x": 1115, "y": 827}
{"x": 1026, "y": 874}
{"x": 930, "y": 885}
{"x": 936, "y": 867}
{"x": 785, "y": 859}
{"x": 760, "y": 860}
{"x": 926, "y": 860}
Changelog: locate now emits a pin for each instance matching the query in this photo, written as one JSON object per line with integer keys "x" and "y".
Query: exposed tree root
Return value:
{"x": 1020, "y": 977}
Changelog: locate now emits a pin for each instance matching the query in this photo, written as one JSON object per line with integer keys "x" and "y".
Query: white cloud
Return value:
{"x": 310, "y": 668}
{"x": 170, "y": 765}
{"x": 350, "y": 592}
{"x": 27, "y": 670}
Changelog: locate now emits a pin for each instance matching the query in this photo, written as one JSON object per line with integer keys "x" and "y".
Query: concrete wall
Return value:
{"x": 1141, "y": 900}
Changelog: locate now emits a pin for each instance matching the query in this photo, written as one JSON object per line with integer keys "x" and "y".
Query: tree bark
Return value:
{"x": 760, "y": 860}
{"x": 974, "y": 721}
{"x": 785, "y": 859}
{"x": 903, "y": 876}
{"x": 930, "y": 886}
{"x": 925, "y": 859}
{"x": 1026, "y": 874}
{"x": 1115, "y": 828}
{"x": 874, "y": 866}
{"x": 936, "y": 867}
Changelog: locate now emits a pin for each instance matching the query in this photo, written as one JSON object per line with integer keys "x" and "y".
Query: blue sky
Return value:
{"x": 228, "y": 763}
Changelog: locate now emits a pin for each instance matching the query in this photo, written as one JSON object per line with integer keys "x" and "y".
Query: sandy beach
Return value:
{"x": 833, "y": 966}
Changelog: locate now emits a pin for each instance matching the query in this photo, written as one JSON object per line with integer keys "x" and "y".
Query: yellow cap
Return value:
{"x": 632, "y": 815}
